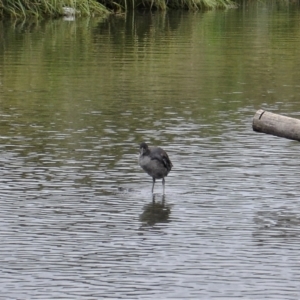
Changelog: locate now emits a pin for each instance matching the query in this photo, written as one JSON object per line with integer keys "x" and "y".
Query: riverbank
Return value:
{"x": 50, "y": 8}
{"x": 59, "y": 8}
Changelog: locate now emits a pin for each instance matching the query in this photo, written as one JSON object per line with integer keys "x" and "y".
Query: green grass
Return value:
{"x": 48, "y": 8}
{"x": 54, "y": 8}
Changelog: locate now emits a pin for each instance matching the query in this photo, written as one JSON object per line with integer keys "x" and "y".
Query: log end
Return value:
{"x": 258, "y": 115}
{"x": 275, "y": 124}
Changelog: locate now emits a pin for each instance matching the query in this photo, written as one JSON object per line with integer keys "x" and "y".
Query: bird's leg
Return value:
{"x": 153, "y": 198}
{"x": 153, "y": 185}
{"x": 163, "y": 183}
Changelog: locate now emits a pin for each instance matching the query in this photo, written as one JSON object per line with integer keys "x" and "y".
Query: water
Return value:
{"x": 78, "y": 219}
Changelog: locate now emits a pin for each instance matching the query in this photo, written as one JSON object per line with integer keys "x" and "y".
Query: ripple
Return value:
{"x": 78, "y": 220}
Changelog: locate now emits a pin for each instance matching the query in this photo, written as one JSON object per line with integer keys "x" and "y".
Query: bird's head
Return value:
{"x": 143, "y": 148}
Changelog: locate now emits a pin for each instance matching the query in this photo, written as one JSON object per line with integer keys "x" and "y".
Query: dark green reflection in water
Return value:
{"x": 108, "y": 84}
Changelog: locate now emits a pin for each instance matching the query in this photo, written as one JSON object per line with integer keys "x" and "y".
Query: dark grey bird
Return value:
{"x": 155, "y": 162}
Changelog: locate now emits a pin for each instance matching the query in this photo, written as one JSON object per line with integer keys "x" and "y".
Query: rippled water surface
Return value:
{"x": 78, "y": 220}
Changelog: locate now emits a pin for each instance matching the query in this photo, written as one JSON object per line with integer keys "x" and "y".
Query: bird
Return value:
{"x": 155, "y": 162}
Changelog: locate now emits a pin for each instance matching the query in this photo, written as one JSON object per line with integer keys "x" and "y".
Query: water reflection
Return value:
{"x": 78, "y": 220}
{"x": 156, "y": 211}
{"x": 277, "y": 224}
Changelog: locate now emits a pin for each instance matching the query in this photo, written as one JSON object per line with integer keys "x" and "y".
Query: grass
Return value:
{"x": 54, "y": 8}
{"x": 48, "y": 8}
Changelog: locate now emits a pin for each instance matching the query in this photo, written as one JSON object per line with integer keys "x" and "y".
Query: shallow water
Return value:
{"x": 78, "y": 219}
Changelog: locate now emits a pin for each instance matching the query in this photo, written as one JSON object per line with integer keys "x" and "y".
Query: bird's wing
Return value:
{"x": 161, "y": 155}
{"x": 167, "y": 162}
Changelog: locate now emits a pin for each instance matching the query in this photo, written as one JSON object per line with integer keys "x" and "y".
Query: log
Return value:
{"x": 270, "y": 123}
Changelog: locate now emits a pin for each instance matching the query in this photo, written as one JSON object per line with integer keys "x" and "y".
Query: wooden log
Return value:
{"x": 270, "y": 123}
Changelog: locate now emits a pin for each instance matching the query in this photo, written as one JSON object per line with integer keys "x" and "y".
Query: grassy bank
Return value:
{"x": 55, "y": 8}
{"x": 49, "y": 8}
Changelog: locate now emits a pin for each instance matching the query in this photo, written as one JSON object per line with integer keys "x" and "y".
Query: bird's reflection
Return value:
{"x": 155, "y": 212}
